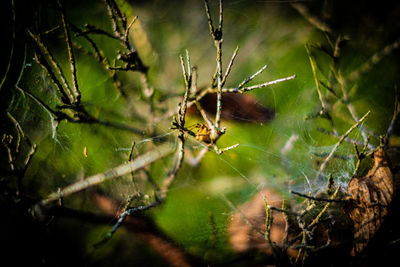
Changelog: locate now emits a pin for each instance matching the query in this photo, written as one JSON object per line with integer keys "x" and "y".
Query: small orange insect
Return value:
{"x": 203, "y": 133}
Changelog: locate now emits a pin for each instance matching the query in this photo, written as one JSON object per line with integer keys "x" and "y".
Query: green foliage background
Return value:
{"x": 267, "y": 32}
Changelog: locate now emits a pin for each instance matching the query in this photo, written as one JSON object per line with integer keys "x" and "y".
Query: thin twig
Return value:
{"x": 194, "y": 161}
{"x": 248, "y": 79}
{"x": 137, "y": 164}
{"x": 313, "y": 20}
{"x": 347, "y": 102}
{"x": 268, "y": 224}
{"x": 209, "y": 19}
{"x": 217, "y": 38}
{"x": 193, "y": 90}
{"x": 19, "y": 130}
{"x": 42, "y": 52}
{"x": 116, "y": 29}
{"x": 327, "y": 159}
{"x": 314, "y": 71}
{"x": 205, "y": 116}
{"x": 123, "y": 216}
{"x": 324, "y": 111}
{"x": 372, "y": 61}
{"x": 75, "y": 87}
{"x": 395, "y": 117}
{"x": 258, "y": 86}
{"x": 229, "y": 68}
{"x": 318, "y": 217}
{"x": 284, "y": 211}
{"x": 178, "y": 158}
{"x": 120, "y": 16}
{"x": 347, "y": 139}
{"x": 360, "y": 156}
{"x": 219, "y": 85}
{"x": 90, "y": 29}
{"x": 7, "y": 141}
{"x": 209, "y": 90}
{"x": 181, "y": 126}
{"x": 222, "y": 150}
{"x": 316, "y": 198}
{"x": 99, "y": 55}
{"x": 126, "y": 35}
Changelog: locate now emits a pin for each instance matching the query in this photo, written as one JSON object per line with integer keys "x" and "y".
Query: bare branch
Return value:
{"x": 75, "y": 87}
{"x": 318, "y": 217}
{"x": 347, "y": 102}
{"x": 316, "y": 198}
{"x": 41, "y": 52}
{"x": 248, "y": 79}
{"x": 313, "y": 20}
{"x": 258, "y": 86}
{"x": 373, "y": 60}
{"x": 126, "y": 35}
{"x": 314, "y": 70}
{"x": 180, "y": 124}
{"x": 347, "y": 139}
{"x": 137, "y": 164}
{"x": 327, "y": 159}
{"x": 229, "y": 68}
{"x": 124, "y": 215}
{"x": 220, "y": 151}
{"x": 395, "y": 117}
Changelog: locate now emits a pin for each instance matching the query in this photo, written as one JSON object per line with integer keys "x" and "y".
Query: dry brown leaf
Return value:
{"x": 371, "y": 196}
{"x": 236, "y": 107}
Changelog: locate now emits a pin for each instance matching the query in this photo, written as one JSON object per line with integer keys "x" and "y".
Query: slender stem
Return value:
{"x": 395, "y": 117}
{"x": 258, "y": 86}
{"x": 126, "y": 35}
{"x": 124, "y": 215}
{"x": 207, "y": 119}
{"x": 327, "y": 159}
{"x": 229, "y": 68}
{"x": 222, "y": 150}
{"x": 248, "y": 79}
{"x": 313, "y": 20}
{"x": 218, "y": 45}
{"x": 318, "y": 217}
{"x": 135, "y": 165}
{"x": 209, "y": 19}
{"x": 347, "y": 139}
{"x": 217, "y": 38}
{"x": 347, "y": 102}
{"x": 181, "y": 134}
{"x": 42, "y": 51}
{"x": 314, "y": 71}
{"x": 373, "y": 60}
{"x": 316, "y": 198}
{"x": 111, "y": 14}
{"x": 75, "y": 87}
{"x": 90, "y": 29}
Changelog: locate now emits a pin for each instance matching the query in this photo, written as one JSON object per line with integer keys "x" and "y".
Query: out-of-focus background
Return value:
{"x": 281, "y": 154}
